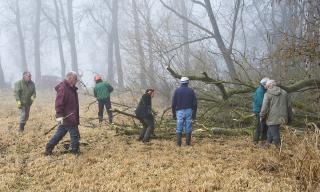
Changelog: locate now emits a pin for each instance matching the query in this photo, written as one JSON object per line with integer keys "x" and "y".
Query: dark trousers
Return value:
{"x": 260, "y": 133}
{"x": 104, "y": 103}
{"x": 147, "y": 130}
{"x": 274, "y": 135}
{"x": 61, "y": 132}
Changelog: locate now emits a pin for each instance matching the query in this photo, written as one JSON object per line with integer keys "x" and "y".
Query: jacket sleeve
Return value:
{"x": 34, "y": 91}
{"x": 95, "y": 92}
{"x": 265, "y": 106}
{"x": 174, "y": 104}
{"x": 194, "y": 106}
{"x": 110, "y": 88}
{"x": 17, "y": 90}
{"x": 59, "y": 104}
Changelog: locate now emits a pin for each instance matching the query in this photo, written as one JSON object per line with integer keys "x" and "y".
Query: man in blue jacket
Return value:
{"x": 184, "y": 109}
{"x": 261, "y": 127}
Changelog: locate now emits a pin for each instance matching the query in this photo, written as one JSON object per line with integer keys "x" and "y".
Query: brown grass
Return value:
{"x": 117, "y": 162}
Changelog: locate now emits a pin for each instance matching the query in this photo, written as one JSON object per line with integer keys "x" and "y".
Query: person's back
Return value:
{"x": 102, "y": 90}
{"x": 278, "y": 113}
{"x": 184, "y": 98}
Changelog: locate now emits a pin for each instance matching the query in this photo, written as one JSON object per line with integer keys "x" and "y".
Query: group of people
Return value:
{"x": 184, "y": 108}
{"x": 272, "y": 108}
{"x": 270, "y": 104}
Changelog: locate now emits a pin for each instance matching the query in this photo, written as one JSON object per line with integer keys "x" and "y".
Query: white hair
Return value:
{"x": 71, "y": 74}
{"x": 271, "y": 82}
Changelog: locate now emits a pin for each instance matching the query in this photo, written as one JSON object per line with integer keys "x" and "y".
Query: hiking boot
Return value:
{"x": 48, "y": 150}
{"x": 179, "y": 135}
{"x": 21, "y": 127}
{"x": 188, "y": 138}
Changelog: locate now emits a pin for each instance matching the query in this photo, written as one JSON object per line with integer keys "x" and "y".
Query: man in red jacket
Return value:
{"x": 67, "y": 114}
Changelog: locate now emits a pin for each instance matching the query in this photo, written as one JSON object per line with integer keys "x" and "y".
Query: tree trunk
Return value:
{"x": 2, "y": 81}
{"x": 37, "y": 42}
{"x": 59, "y": 38}
{"x": 217, "y": 35}
{"x": 139, "y": 45}
{"x": 185, "y": 33}
{"x": 24, "y": 64}
{"x": 110, "y": 76}
{"x": 71, "y": 37}
{"x": 149, "y": 30}
{"x": 115, "y": 8}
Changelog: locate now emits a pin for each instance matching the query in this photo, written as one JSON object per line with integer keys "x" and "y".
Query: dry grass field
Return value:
{"x": 110, "y": 161}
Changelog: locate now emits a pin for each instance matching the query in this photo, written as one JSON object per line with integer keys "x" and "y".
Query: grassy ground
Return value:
{"x": 117, "y": 162}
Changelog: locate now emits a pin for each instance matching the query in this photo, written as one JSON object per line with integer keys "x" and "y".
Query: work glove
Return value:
{"x": 33, "y": 97}
{"x": 19, "y": 104}
{"x": 59, "y": 120}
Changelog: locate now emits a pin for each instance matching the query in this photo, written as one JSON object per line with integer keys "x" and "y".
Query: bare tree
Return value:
{"x": 24, "y": 64}
{"x": 139, "y": 44}
{"x": 37, "y": 41}
{"x": 2, "y": 81}
{"x": 71, "y": 37}
{"x": 185, "y": 34}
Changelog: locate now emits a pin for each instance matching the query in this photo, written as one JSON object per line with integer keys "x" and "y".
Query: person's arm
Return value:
{"x": 194, "y": 106}
{"x": 34, "y": 94}
{"x": 265, "y": 107}
{"x": 17, "y": 90}
{"x": 173, "y": 106}
{"x": 110, "y": 88}
{"x": 59, "y": 104}
{"x": 95, "y": 92}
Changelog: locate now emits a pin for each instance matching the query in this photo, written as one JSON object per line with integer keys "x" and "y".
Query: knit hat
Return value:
{"x": 97, "y": 77}
{"x": 264, "y": 81}
{"x": 149, "y": 90}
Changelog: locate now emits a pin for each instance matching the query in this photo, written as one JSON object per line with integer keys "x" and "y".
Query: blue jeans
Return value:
{"x": 61, "y": 132}
{"x": 274, "y": 134}
{"x": 184, "y": 118}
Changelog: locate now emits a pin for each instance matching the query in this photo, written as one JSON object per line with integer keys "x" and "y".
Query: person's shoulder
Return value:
{"x": 18, "y": 82}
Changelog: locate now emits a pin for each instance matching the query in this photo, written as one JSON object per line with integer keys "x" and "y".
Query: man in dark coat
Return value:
{"x": 67, "y": 114}
{"x": 144, "y": 113}
{"x": 25, "y": 94}
{"x": 184, "y": 109}
{"x": 261, "y": 127}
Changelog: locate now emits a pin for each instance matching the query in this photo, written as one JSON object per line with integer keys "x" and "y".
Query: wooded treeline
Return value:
{"x": 229, "y": 44}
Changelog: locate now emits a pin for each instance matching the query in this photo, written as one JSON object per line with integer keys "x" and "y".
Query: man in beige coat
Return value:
{"x": 276, "y": 109}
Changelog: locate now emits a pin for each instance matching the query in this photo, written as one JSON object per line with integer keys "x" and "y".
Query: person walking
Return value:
{"x": 261, "y": 127}
{"x": 145, "y": 115}
{"x": 184, "y": 109}
{"x": 102, "y": 92}
{"x": 276, "y": 110}
{"x": 25, "y": 94}
{"x": 67, "y": 114}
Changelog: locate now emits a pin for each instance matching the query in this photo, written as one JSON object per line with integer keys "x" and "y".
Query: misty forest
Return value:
{"x": 159, "y": 95}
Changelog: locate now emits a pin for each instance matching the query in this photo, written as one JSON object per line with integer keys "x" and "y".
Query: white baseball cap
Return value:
{"x": 184, "y": 80}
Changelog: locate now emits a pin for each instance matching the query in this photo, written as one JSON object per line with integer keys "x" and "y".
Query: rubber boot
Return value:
{"x": 188, "y": 138}
{"x": 49, "y": 149}
{"x": 100, "y": 119}
{"x": 179, "y": 135}
{"x": 21, "y": 127}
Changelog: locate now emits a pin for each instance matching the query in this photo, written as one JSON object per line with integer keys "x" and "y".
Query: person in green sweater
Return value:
{"x": 102, "y": 91}
{"x": 25, "y": 94}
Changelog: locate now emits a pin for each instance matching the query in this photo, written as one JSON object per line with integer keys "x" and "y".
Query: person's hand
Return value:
{"x": 19, "y": 104}
{"x": 33, "y": 98}
{"x": 59, "y": 120}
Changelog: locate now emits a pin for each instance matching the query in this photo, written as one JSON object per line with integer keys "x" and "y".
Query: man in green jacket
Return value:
{"x": 102, "y": 91}
{"x": 25, "y": 94}
{"x": 276, "y": 109}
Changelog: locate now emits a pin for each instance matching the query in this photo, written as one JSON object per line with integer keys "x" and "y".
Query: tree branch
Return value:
{"x": 185, "y": 18}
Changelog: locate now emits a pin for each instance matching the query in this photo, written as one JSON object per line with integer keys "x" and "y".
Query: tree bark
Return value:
{"x": 71, "y": 37}
{"x": 2, "y": 81}
{"x": 115, "y": 8}
{"x": 217, "y": 35}
{"x": 37, "y": 42}
{"x": 59, "y": 38}
{"x": 24, "y": 64}
{"x": 185, "y": 34}
{"x": 139, "y": 45}
{"x": 110, "y": 76}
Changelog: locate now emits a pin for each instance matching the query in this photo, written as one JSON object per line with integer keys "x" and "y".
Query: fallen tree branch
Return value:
{"x": 226, "y": 94}
{"x": 125, "y": 113}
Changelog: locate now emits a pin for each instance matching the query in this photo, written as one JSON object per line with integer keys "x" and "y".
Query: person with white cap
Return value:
{"x": 276, "y": 110}
{"x": 184, "y": 109}
{"x": 261, "y": 127}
